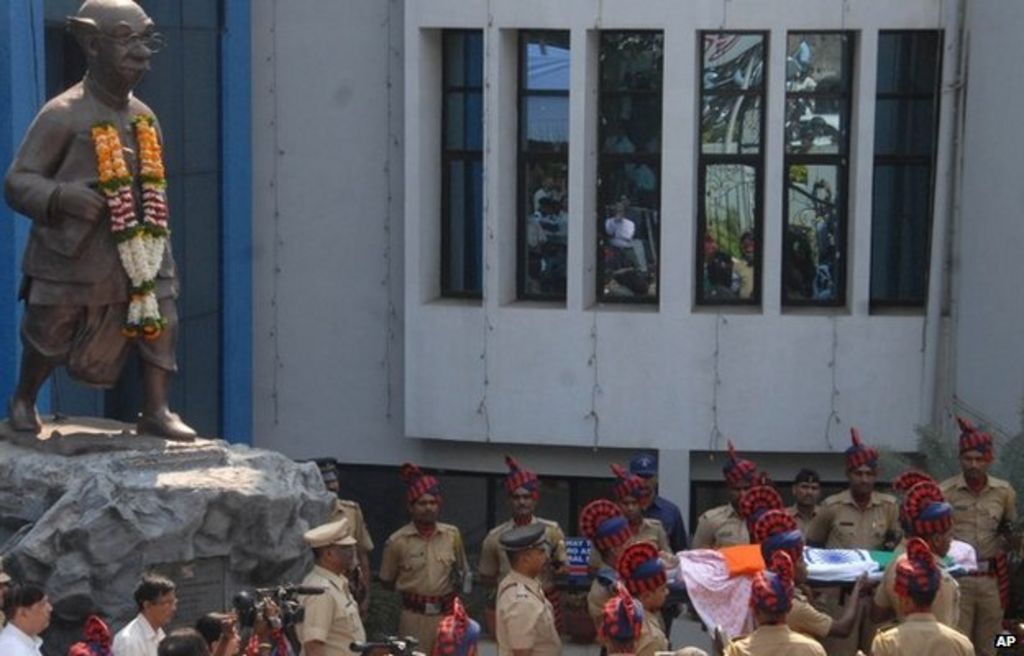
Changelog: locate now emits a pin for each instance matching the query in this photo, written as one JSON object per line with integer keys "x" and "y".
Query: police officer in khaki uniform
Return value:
{"x": 771, "y": 597}
{"x": 424, "y": 560}
{"x": 602, "y": 522}
{"x": 926, "y": 516}
{"x": 631, "y": 493}
{"x": 806, "y": 495}
{"x": 523, "y": 488}
{"x": 331, "y": 622}
{"x": 722, "y": 526}
{"x": 776, "y": 530}
{"x": 642, "y": 573}
{"x": 857, "y": 518}
{"x": 525, "y": 619}
{"x": 351, "y": 511}
{"x": 917, "y": 581}
{"x": 984, "y": 509}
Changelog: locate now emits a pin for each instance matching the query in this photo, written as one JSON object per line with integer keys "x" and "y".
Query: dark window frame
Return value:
{"x": 526, "y": 158}
{"x": 652, "y": 160}
{"x": 755, "y": 160}
{"x": 840, "y": 160}
{"x": 910, "y": 161}
{"x": 448, "y": 157}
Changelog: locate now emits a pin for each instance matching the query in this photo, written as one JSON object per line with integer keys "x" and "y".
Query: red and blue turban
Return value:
{"x": 738, "y": 470}
{"x": 622, "y": 619}
{"x": 971, "y": 439}
{"x": 640, "y": 568}
{"x": 628, "y": 485}
{"x": 858, "y": 454}
{"x": 916, "y": 572}
{"x": 924, "y": 510}
{"x": 603, "y": 523}
{"x": 520, "y": 478}
{"x": 771, "y": 591}
{"x": 776, "y": 530}
{"x": 419, "y": 483}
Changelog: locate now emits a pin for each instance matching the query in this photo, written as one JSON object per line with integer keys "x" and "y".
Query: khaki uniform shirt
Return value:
{"x": 946, "y": 606}
{"x": 976, "y": 517}
{"x": 494, "y": 561}
{"x": 774, "y": 640}
{"x": 652, "y": 636}
{"x": 720, "y": 527}
{"x": 806, "y": 619}
{"x": 525, "y": 618}
{"x": 801, "y": 522}
{"x": 332, "y": 617}
{"x": 597, "y": 597}
{"x": 651, "y": 530}
{"x": 351, "y": 511}
{"x": 842, "y": 524}
{"x": 921, "y": 635}
{"x": 424, "y": 566}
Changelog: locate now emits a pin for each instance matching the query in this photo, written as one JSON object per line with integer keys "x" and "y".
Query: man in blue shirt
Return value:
{"x": 645, "y": 465}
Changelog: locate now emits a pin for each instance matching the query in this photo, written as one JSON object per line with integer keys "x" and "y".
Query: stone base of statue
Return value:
{"x": 89, "y": 506}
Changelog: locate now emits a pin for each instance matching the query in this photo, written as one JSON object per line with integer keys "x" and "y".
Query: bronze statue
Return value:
{"x": 99, "y": 277}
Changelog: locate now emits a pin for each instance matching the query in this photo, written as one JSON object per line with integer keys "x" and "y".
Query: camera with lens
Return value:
{"x": 388, "y": 646}
{"x": 250, "y": 605}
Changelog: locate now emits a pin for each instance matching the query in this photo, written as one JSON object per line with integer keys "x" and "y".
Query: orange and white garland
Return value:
{"x": 141, "y": 245}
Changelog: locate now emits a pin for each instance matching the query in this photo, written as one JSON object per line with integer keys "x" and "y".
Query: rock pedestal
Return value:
{"x": 88, "y": 509}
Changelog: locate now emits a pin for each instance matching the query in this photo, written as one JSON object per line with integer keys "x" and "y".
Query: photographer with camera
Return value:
{"x": 331, "y": 620}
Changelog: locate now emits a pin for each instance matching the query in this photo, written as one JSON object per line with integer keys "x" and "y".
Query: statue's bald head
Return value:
{"x": 105, "y": 14}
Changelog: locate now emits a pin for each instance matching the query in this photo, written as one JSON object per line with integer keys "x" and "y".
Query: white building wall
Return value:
{"x": 988, "y": 303}
{"x": 355, "y": 352}
{"x": 669, "y": 376}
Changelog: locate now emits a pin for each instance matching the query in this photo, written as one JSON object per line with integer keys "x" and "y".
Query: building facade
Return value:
{"x": 573, "y": 229}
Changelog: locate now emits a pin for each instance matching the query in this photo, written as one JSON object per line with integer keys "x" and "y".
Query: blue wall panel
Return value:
{"x": 21, "y": 95}
{"x": 236, "y": 236}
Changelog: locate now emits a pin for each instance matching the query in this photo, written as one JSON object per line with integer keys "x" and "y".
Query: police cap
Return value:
{"x": 326, "y": 535}
{"x": 520, "y": 538}
{"x": 644, "y": 465}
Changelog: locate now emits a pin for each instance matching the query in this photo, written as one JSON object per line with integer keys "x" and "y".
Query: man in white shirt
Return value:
{"x": 5, "y": 580}
{"x": 157, "y": 602}
{"x": 28, "y": 615}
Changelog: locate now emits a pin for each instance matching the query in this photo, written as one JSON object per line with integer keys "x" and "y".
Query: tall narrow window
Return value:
{"x": 629, "y": 166}
{"x": 818, "y": 82}
{"x": 906, "y": 123}
{"x": 730, "y": 167}
{"x": 462, "y": 164}
{"x": 543, "y": 163}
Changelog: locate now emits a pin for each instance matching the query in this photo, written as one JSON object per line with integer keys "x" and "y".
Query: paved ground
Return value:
{"x": 684, "y": 634}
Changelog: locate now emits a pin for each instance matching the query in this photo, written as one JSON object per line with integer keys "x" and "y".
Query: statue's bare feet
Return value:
{"x": 22, "y": 416}
{"x": 167, "y": 425}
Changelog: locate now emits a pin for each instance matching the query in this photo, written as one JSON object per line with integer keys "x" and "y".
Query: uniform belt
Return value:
{"x": 986, "y": 567}
{"x": 426, "y": 604}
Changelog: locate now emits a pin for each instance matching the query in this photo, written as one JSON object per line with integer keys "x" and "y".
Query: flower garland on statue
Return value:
{"x": 140, "y": 245}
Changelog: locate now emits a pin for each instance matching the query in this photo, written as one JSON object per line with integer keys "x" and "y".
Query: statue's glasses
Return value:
{"x": 154, "y": 41}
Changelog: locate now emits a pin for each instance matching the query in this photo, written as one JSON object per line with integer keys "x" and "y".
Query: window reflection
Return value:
{"x": 813, "y": 240}
{"x": 731, "y": 161}
{"x": 629, "y": 166}
{"x": 819, "y": 78}
{"x": 543, "y": 164}
{"x": 729, "y": 246}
